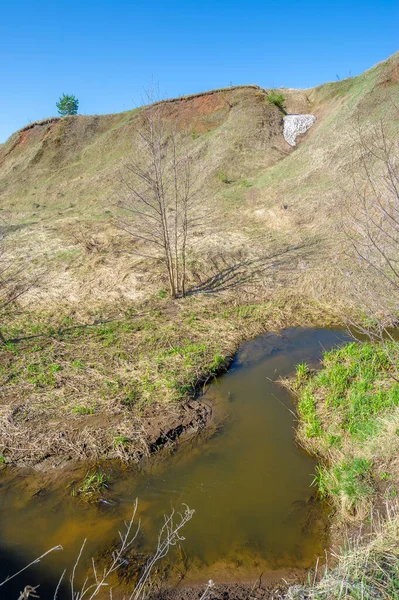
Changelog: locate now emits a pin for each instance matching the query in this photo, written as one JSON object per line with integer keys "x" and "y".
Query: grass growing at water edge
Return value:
{"x": 346, "y": 414}
{"x": 349, "y": 417}
{"x": 361, "y": 571}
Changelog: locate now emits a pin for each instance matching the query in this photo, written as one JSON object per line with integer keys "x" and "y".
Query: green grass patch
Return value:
{"x": 349, "y": 482}
{"x": 276, "y": 98}
{"x": 355, "y": 385}
{"x": 223, "y": 177}
{"x": 83, "y": 410}
{"x": 308, "y": 411}
{"x": 341, "y": 412}
{"x": 94, "y": 483}
{"x": 121, "y": 440}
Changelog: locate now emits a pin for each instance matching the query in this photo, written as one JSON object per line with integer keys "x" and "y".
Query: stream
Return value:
{"x": 249, "y": 483}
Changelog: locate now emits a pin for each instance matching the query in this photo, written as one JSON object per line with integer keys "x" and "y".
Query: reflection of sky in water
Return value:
{"x": 249, "y": 485}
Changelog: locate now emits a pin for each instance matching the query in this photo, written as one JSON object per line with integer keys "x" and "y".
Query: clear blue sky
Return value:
{"x": 107, "y": 52}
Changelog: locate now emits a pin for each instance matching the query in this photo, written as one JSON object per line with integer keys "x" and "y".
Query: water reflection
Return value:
{"x": 249, "y": 484}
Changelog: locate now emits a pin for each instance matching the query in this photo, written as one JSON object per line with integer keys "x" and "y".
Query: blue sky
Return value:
{"x": 106, "y": 52}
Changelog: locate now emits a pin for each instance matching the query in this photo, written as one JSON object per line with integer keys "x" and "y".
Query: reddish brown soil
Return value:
{"x": 200, "y": 114}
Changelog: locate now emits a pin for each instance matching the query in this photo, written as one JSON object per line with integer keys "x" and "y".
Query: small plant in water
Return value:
{"x": 94, "y": 482}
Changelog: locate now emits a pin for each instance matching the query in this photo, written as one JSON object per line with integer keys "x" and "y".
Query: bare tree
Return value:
{"x": 159, "y": 194}
{"x": 371, "y": 225}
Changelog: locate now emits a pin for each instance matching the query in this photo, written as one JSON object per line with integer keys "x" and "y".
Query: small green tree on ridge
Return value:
{"x": 67, "y": 105}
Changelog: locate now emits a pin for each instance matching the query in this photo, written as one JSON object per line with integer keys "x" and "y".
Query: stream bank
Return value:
{"x": 249, "y": 483}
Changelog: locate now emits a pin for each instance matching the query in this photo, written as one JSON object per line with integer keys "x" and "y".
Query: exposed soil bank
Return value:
{"x": 259, "y": 590}
{"x": 159, "y": 426}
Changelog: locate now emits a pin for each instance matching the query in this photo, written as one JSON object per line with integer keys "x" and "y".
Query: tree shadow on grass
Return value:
{"x": 248, "y": 271}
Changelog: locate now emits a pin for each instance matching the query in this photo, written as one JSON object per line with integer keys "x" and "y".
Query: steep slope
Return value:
{"x": 308, "y": 178}
{"x": 59, "y": 179}
{"x": 59, "y": 171}
{"x": 75, "y": 158}
{"x": 100, "y": 350}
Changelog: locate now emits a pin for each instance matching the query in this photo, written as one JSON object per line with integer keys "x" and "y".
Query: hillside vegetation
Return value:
{"x": 99, "y": 362}
{"x": 59, "y": 182}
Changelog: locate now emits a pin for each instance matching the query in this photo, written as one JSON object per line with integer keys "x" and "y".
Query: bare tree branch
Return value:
{"x": 371, "y": 226}
{"x": 158, "y": 206}
{"x": 169, "y": 535}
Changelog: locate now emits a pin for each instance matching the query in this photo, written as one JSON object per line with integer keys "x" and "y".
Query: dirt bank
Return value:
{"x": 262, "y": 589}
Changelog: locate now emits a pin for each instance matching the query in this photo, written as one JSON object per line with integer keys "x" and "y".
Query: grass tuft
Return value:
{"x": 94, "y": 483}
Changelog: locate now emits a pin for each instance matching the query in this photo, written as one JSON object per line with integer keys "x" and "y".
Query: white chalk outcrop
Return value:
{"x": 294, "y": 125}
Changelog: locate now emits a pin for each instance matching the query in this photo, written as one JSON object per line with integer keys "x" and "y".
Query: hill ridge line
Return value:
{"x": 208, "y": 93}
{"x": 49, "y": 120}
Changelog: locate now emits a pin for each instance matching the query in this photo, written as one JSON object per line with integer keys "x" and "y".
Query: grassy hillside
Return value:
{"x": 59, "y": 181}
{"x": 94, "y": 340}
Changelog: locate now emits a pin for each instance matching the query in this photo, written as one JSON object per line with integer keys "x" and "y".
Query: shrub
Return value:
{"x": 277, "y": 99}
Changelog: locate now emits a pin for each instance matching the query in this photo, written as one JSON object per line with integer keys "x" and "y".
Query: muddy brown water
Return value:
{"x": 249, "y": 483}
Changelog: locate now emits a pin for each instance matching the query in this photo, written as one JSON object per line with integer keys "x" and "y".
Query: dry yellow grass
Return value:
{"x": 109, "y": 386}
{"x": 265, "y": 257}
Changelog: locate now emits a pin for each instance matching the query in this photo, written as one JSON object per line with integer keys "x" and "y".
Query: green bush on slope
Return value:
{"x": 277, "y": 99}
